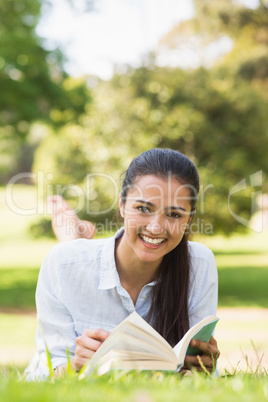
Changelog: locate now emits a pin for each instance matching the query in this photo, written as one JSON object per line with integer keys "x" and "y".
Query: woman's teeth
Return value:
{"x": 152, "y": 241}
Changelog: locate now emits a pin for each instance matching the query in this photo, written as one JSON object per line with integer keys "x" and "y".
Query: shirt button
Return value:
{"x": 145, "y": 297}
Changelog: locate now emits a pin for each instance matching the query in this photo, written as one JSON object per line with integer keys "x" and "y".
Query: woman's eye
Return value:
{"x": 174, "y": 215}
{"x": 143, "y": 209}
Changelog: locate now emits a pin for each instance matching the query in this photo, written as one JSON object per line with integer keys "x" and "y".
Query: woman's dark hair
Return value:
{"x": 169, "y": 308}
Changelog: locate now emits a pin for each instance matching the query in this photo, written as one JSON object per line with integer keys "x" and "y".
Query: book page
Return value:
{"x": 123, "y": 342}
{"x": 130, "y": 355}
{"x": 131, "y": 361}
{"x": 140, "y": 323}
{"x": 126, "y": 342}
{"x": 150, "y": 340}
{"x": 135, "y": 334}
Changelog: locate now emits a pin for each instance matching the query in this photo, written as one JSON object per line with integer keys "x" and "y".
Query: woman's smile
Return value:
{"x": 151, "y": 242}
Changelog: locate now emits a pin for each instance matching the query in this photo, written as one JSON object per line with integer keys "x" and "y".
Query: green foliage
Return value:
{"x": 208, "y": 115}
{"x": 34, "y": 85}
{"x": 137, "y": 386}
{"x": 217, "y": 116}
{"x": 41, "y": 228}
{"x": 32, "y": 79}
{"x": 248, "y": 28}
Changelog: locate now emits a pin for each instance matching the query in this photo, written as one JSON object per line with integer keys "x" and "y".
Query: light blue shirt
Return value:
{"x": 79, "y": 288}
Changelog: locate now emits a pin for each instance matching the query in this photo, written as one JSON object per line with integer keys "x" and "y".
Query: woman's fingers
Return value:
{"x": 78, "y": 362}
{"x": 207, "y": 348}
{"x": 99, "y": 334}
{"x": 209, "y": 354}
{"x": 83, "y": 343}
{"x": 194, "y": 361}
{"x": 87, "y": 344}
{"x": 90, "y": 341}
{"x": 213, "y": 341}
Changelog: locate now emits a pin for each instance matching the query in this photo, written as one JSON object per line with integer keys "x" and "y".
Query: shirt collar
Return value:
{"x": 109, "y": 277}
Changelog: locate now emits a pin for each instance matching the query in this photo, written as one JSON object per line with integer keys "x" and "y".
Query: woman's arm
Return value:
{"x": 57, "y": 332}
{"x": 56, "y": 329}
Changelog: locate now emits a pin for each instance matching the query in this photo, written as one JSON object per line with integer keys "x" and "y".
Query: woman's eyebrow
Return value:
{"x": 177, "y": 208}
{"x": 146, "y": 203}
{"x": 153, "y": 205}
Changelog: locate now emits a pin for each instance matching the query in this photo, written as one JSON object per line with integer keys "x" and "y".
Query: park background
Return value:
{"x": 201, "y": 88}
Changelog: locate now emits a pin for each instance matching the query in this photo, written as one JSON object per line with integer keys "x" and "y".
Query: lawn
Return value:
{"x": 243, "y": 276}
{"x": 138, "y": 387}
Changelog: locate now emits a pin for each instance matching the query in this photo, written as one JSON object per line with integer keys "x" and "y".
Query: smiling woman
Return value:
{"x": 87, "y": 287}
{"x": 153, "y": 227}
{"x": 159, "y": 224}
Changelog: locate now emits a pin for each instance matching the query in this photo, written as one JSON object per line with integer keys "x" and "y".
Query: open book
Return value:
{"x": 135, "y": 345}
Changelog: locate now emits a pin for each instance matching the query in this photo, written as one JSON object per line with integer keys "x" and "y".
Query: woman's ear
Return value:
{"x": 121, "y": 206}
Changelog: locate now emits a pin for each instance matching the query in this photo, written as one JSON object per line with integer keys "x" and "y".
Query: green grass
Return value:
{"x": 246, "y": 286}
{"x": 242, "y": 263}
{"x": 17, "y": 329}
{"x": 137, "y": 387}
{"x": 17, "y": 334}
{"x": 17, "y": 288}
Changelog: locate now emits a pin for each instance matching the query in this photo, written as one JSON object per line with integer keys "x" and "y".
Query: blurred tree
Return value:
{"x": 207, "y": 115}
{"x": 216, "y": 116}
{"x": 246, "y": 28}
{"x": 34, "y": 85}
{"x": 219, "y": 121}
{"x": 235, "y": 111}
{"x": 32, "y": 79}
{"x": 216, "y": 21}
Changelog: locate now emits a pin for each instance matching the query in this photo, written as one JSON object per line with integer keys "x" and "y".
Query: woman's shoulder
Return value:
{"x": 200, "y": 251}
{"x": 75, "y": 251}
{"x": 203, "y": 263}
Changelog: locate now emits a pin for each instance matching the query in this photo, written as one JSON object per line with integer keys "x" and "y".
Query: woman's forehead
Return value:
{"x": 152, "y": 187}
{"x": 154, "y": 183}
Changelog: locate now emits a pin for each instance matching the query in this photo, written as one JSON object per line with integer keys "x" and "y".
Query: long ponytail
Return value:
{"x": 169, "y": 308}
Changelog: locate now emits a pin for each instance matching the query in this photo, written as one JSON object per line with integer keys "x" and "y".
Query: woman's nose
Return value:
{"x": 156, "y": 225}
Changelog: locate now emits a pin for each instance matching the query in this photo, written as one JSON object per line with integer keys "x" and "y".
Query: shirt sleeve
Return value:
{"x": 56, "y": 331}
{"x": 203, "y": 295}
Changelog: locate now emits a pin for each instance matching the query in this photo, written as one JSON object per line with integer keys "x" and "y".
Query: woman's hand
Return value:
{"x": 86, "y": 345}
{"x": 209, "y": 354}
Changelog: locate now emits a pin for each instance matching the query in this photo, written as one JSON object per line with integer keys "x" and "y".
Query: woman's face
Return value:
{"x": 156, "y": 214}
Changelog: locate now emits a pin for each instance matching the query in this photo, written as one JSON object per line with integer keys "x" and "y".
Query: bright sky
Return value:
{"x": 120, "y": 32}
